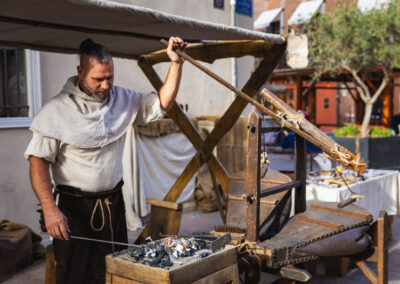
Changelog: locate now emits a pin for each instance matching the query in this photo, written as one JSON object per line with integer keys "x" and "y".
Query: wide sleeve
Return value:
{"x": 150, "y": 109}
{"x": 43, "y": 147}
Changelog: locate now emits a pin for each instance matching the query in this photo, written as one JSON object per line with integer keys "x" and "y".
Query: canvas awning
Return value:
{"x": 266, "y": 18}
{"x": 366, "y": 5}
{"x": 127, "y": 30}
{"x": 305, "y": 11}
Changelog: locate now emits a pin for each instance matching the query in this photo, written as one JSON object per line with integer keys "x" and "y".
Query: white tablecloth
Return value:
{"x": 380, "y": 191}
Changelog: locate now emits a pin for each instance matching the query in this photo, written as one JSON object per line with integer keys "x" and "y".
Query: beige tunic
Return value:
{"x": 89, "y": 167}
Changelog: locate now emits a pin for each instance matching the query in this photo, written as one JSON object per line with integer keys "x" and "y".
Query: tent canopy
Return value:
{"x": 366, "y": 5}
{"x": 127, "y": 30}
{"x": 267, "y": 17}
{"x": 305, "y": 11}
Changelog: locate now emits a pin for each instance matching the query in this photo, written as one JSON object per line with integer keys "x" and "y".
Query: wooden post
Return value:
{"x": 165, "y": 218}
{"x": 50, "y": 266}
{"x": 253, "y": 177}
{"x": 300, "y": 173}
{"x": 299, "y": 91}
{"x": 382, "y": 248}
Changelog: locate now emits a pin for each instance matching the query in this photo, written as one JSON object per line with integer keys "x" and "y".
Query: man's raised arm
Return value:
{"x": 170, "y": 88}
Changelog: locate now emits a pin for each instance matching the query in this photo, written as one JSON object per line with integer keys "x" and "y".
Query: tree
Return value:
{"x": 347, "y": 39}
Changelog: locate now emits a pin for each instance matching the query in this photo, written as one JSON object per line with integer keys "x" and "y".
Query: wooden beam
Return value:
{"x": 367, "y": 271}
{"x": 319, "y": 222}
{"x": 382, "y": 248}
{"x": 341, "y": 211}
{"x": 257, "y": 79}
{"x": 280, "y": 188}
{"x": 308, "y": 89}
{"x": 211, "y": 51}
{"x": 253, "y": 177}
{"x": 300, "y": 173}
{"x": 188, "y": 129}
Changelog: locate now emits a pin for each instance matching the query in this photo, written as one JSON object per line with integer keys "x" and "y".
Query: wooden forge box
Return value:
{"x": 219, "y": 267}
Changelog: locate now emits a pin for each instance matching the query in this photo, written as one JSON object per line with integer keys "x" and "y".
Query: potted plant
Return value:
{"x": 378, "y": 150}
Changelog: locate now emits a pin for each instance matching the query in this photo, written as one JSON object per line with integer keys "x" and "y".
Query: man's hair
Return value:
{"x": 92, "y": 49}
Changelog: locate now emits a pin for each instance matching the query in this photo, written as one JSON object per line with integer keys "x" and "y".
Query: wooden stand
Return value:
{"x": 50, "y": 266}
{"x": 380, "y": 253}
{"x": 208, "y": 53}
{"x": 220, "y": 267}
{"x": 165, "y": 218}
{"x": 253, "y": 176}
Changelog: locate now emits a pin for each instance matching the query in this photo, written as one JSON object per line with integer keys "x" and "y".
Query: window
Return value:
{"x": 274, "y": 28}
{"x": 20, "y": 97}
{"x": 219, "y": 4}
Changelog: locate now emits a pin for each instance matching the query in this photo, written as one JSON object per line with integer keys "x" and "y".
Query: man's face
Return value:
{"x": 96, "y": 79}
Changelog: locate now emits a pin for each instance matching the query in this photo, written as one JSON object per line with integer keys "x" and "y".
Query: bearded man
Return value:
{"x": 80, "y": 135}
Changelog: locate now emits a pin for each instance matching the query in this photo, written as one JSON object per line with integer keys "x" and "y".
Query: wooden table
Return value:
{"x": 380, "y": 191}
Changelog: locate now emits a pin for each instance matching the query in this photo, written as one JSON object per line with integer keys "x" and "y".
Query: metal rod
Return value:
{"x": 101, "y": 241}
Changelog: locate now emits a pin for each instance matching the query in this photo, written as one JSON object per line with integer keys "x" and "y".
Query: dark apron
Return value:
{"x": 91, "y": 215}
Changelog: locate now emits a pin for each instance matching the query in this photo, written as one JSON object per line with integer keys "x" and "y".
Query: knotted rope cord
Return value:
{"x": 248, "y": 249}
{"x": 108, "y": 203}
{"x": 353, "y": 194}
{"x": 295, "y": 119}
{"x": 344, "y": 157}
{"x": 100, "y": 204}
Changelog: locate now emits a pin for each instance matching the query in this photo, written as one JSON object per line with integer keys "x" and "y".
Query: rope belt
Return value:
{"x": 99, "y": 203}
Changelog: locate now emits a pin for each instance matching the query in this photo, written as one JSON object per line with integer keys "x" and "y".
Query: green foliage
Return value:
{"x": 380, "y": 132}
{"x": 346, "y": 131}
{"x": 348, "y": 37}
{"x": 352, "y": 131}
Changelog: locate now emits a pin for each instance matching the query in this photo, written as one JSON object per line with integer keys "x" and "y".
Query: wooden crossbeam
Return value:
{"x": 223, "y": 125}
{"x": 204, "y": 154}
{"x": 194, "y": 137}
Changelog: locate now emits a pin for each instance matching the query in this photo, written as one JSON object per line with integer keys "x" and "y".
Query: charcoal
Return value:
{"x": 163, "y": 253}
{"x": 203, "y": 255}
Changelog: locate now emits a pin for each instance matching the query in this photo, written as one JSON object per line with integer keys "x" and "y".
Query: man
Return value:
{"x": 80, "y": 133}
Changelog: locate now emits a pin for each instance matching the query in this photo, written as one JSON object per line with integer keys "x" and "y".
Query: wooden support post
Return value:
{"x": 380, "y": 255}
{"x": 299, "y": 91}
{"x": 165, "y": 218}
{"x": 300, "y": 173}
{"x": 50, "y": 266}
{"x": 382, "y": 248}
{"x": 253, "y": 177}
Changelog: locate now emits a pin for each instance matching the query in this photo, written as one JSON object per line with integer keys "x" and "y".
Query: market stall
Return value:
{"x": 380, "y": 189}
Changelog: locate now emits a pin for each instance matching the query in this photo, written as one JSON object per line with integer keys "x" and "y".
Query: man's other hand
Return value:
{"x": 175, "y": 43}
{"x": 56, "y": 223}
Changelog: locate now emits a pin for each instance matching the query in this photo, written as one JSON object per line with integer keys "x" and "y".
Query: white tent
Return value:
{"x": 266, "y": 18}
{"x": 366, "y": 5}
{"x": 305, "y": 11}
{"x": 128, "y": 30}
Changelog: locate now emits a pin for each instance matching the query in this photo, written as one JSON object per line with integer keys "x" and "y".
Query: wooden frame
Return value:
{"x": 253, "y": 170}
{"x": 209, "y": 52}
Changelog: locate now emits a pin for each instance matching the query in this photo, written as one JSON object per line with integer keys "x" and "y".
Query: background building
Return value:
{"x": 330, "y": 102}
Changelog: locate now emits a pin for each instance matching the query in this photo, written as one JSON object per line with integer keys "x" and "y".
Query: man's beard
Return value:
{"x": 95, "y": 93}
